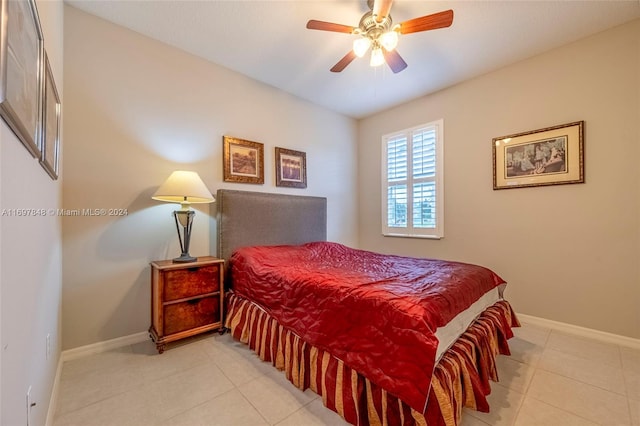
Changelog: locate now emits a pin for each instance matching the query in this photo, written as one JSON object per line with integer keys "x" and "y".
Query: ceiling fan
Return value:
{"x": 378, "y": 33}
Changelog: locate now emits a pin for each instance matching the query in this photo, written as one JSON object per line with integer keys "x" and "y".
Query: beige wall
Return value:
{"x": 31, "y": 261}
{"x": 138, "y": 109}
{"x": 570, "y": 253}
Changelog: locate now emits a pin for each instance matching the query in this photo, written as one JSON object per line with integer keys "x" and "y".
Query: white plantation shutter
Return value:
{"x": 397, "y": 167}
{"x": 397, "y": 158}
{"x": 412, "y": 182}
{"x": 397, "y": 205}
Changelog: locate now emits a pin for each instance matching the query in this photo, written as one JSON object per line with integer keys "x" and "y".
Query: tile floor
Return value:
{"x": 551, "y": 379}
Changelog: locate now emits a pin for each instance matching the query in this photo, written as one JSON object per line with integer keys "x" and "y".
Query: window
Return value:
{"x": 412, "y": 187}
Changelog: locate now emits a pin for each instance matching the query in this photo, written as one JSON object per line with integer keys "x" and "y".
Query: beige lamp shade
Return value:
{"x": 184, "y": 188}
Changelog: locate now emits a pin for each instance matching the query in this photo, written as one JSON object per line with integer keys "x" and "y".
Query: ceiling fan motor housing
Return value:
{"x": 373, "y": 29}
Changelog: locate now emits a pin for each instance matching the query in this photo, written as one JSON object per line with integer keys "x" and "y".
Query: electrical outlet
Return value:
{"x": 29, "y": 406}
{"x": 48, "y": 352}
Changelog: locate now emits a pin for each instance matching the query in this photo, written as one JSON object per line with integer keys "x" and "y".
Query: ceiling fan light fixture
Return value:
{"x": 377, "y": 32}
{"x": 377, "y": 58}
{"x": 389, "y": 40}
{"x": 360, "y": 46}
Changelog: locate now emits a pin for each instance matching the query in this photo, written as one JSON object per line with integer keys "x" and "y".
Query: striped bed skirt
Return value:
{"x": 461, "y": 378}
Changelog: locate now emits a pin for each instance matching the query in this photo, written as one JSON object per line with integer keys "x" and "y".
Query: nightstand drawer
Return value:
{"x": 191, "y": 314}
{"x": 189, "y": 282}
{"x": 186, "y": 299}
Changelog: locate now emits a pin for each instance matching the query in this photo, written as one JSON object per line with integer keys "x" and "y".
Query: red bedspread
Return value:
{"x": 377, "y": 313}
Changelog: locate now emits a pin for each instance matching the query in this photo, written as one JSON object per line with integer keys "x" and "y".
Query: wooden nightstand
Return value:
{"x": 186, "y": 299}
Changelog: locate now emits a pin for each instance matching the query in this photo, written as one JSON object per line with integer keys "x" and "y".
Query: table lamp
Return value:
{"x": 185, "y": 188}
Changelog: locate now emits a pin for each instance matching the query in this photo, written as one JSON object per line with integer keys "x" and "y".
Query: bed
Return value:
{"x": 383, "y": 339}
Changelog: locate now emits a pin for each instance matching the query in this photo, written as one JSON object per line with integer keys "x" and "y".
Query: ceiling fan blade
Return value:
{"x": 394, "y": 60}
{"x": 429, "y": 22}
{"x": 342, "y": 63}
{"x": 329, "y": 26}
{"x": 381, "y": 9}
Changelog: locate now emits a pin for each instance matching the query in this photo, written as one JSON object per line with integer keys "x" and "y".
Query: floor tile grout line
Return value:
{"x": 521, "y": 402}
{"x": 564, "y": 410}
{"x": 630, "y": 412}
{"x": 620, "y": 357}
{"x": 516, "y": 412}
{"x": 618, "y": 365}
{"x": 537, "y": 368}
{"x": 58, "y": 415}
{"x": 528, "y": 387}
{"x": 625, "y": 394}
{"x": 198, "y": 405}
{"x": 131, "y": 388}
{"x": 251, "y": 403}
{"x": 100, "y": 401}
{"x": 585, "y": 339}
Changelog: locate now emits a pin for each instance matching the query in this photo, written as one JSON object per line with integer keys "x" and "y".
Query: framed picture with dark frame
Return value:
{"x": 21, "y": 69}
{"x": 291, "y": 168}
{"x": 243, "y": 160}
{"x": 549, "y": 156}
{"x": 50, "y": 124}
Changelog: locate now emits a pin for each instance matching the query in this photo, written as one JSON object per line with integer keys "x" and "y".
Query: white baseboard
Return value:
{"x": 84, "y": 351}
{"x": 107, "y": 345}
{"x": 53, "y": 400}
{"x": 581, "y": 331}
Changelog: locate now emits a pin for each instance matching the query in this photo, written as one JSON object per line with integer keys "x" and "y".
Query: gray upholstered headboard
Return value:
{"x": 257, "y": 218}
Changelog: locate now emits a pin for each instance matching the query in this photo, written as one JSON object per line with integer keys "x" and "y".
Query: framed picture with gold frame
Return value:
{"x": 549, "y": 156}
{"x": 291, "y": 168}
{"x": 243, "y": 160}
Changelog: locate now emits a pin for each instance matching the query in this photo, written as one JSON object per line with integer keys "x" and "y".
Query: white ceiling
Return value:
{"x": 267, "y": 41}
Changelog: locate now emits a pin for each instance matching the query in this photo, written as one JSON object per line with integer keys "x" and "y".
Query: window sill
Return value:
{"x": 426, "y": 237}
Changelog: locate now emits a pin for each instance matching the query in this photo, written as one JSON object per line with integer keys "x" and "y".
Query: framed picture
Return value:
{"x": 243, "y": 160}
{"x": 21, "y": 68}
{"x": 550, "y": 156}
{"x": 291, "y": 168}
{"x": 50, "y": 124}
